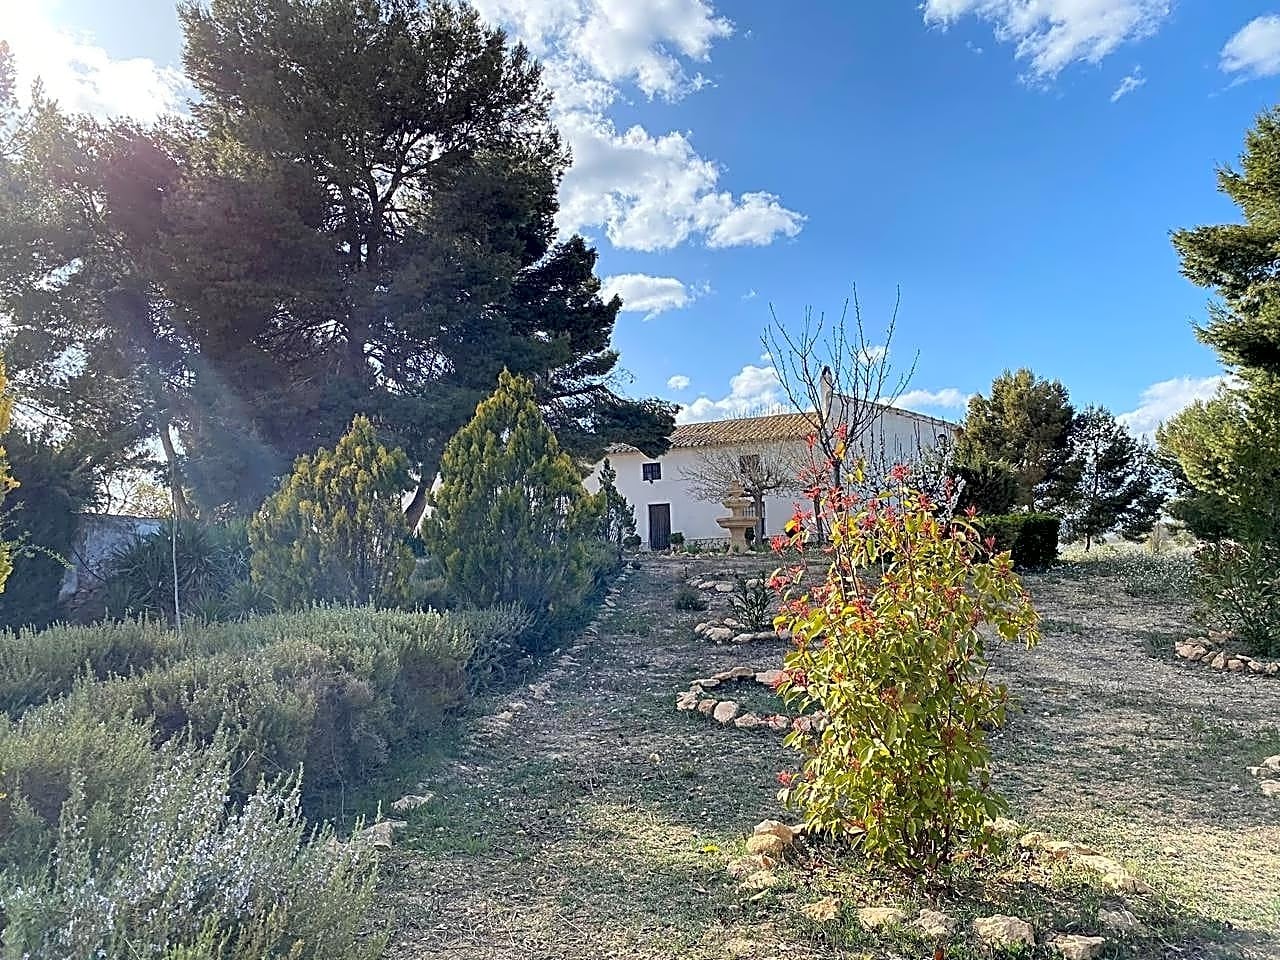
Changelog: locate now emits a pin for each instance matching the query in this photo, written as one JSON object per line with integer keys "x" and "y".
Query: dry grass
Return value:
{"x": 598, "y": 822}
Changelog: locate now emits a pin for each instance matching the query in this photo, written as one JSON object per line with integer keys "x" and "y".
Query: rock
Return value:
{"x": 776, "y": 828}
{"x": 732, "y": 623}
{"x": 1270, "y": 788}
{"x": 412, "y": 801}
{"x": 379, "y": 835}
{"x": 1067, "y": 848}
{"x": 710, "y": 683}
{"x": 1257, "y": 666}
{"x": 748, "y": 721}
{"x": 1235, "y": 664}
{"x": 743, "y": 637}
{"x": 705, "y": 707}
{"x": 1119, "y": 921}
{"x": 700, "y": 628}
{"x": 875, "y": 917}
{"x": 738, "y": 947}
{"x": 1273, "y": 669}
{"x": 1002, "y": 931}
{"x": 778, "y": 722}
{"x": 688, "y": 700}
{"x": 770, "y": 678}
{"x": 1185, "y": 650}
{"x": 725, "y": 711}
{"x": 1004, "y": 827}
{"x": 724, "y": 586}
{"x": 1034, "y": 840}
{"x": 740, "y": 867}
{"x": 1219, "y": 661}
{"x": 1075, "y": 946}
{"x": 1271, "y": 763}
{"x": 822, "y": 911}
{"x": 767, "y": 844}
{"x": 742, "y": 673}
{"x": 718, "y": 634}
{"x": 934, "y": 923}
{"x": 760, "y": 880}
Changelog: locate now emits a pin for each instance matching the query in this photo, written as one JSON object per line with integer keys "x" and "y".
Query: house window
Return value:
{"x": 749, "y": 464}
{"x": 651, "y": 471}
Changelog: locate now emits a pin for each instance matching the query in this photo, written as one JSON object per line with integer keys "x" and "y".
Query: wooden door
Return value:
{"x": 659, "y": 526}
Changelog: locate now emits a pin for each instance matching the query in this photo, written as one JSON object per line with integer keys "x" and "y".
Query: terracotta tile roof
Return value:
{"x": 779, "y": 426}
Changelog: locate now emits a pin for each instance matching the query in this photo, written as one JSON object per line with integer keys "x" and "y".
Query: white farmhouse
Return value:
{"x": 668, "y": 498}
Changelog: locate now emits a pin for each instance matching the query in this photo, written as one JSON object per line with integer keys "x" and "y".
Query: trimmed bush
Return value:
{"x": 687, "y": 598}
{"x": 1031, "y": 538}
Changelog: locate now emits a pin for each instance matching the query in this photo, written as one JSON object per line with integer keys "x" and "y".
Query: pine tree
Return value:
{"x": 1115, "y": 477}
{"x": 1027, "y": 424}
{"x": 335, "y": 530}
{"x": 618, "y": 519}
{"x": 512, "y": 521}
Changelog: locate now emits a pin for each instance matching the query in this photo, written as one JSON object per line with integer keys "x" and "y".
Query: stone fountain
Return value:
{"x": 738, "y": 522}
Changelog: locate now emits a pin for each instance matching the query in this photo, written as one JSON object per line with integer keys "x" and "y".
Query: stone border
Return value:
{"x": 726, "y": 712}
{"x": 1207, "y": 653}
{"x": 730, "y": 630}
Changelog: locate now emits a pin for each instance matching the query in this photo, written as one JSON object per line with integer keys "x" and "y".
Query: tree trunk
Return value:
{"x": 417, "y": 507}
{"x": 181, "y": 508}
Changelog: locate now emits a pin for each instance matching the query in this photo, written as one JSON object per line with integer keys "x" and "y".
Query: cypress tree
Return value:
{"x": 512, "y": 521}
{"x": 335, "y": 530}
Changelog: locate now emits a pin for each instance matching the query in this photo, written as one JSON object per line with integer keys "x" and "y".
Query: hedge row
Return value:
{"x": 1031, "y": 538}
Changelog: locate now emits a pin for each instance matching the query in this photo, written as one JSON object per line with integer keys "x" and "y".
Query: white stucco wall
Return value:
{"x": 899, "y": 436}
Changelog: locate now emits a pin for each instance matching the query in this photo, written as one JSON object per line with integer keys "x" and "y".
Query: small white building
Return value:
{"x": 665, "y": 495}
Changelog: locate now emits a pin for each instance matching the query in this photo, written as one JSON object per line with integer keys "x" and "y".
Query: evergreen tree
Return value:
{"x": 335, "y": 529}
{"x": 512, "y": 522}
{"x": 1025, "y": 423}
{"x": 618, "y": 517}
{"x": 1116, "y": 482}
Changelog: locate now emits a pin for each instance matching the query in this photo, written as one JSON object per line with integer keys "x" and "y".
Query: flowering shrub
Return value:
{"x": 891, "y": 649}
{"x": 185, "y": 876}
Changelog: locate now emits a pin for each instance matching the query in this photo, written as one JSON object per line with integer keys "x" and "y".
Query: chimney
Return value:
{"x": 826, "y": 392}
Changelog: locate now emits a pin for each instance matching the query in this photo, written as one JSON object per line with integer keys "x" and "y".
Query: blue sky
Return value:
{"x": 1016, "y": 174}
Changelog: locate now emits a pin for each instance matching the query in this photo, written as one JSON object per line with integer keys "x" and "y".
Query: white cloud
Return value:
{"x": 82, "y": 76}
{"x": 648, "y": 191}
{"x": 634, "y": 41}
{"x": 653, "y": 192}
{"x": 750, "y": 294}
{"x": 1129, "y": 84}
{"x": 678, "y": 382}
{"x": 1162, "y": 400}
{"x": 948, "y": 397}
{"x": 752, "y": 390}
{"x": 1255, "y": 50}
{"x": 1050, "y": 35}
{"x": 642, "y": 293}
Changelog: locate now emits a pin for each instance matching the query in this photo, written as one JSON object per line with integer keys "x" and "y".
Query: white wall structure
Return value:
{"x": 895, "y": 436}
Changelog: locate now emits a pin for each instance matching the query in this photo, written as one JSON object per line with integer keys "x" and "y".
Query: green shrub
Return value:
{"x": 752, "y": 604}
{"x": 1237, "y": 588}
{"x": 213, "y": 574}
{"x": 181, "y": 875}
{"x": 512, "y": 522}
{"x": 495, "y": 641}
{"x": 335, "y": 530}
{"x": 989, "y": 486}
{"x": 687, "y": 598}
{"x": 1031, "y": 538}
{"x": 893, "y": 654}
{"x": 677, "y": 540}
{"x": 631, "y": 541}
{"x": 1166, "y": 575}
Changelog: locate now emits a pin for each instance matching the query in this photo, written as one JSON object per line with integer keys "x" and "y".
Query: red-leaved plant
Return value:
{"x": 890, "y": 652}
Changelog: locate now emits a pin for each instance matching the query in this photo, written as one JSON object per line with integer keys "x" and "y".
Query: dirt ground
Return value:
{"x": 584, "y": 817}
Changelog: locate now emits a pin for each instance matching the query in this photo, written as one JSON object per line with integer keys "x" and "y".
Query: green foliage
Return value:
{"x": 618, "y": 519}
{"x": 57, "y": 480}
{"x": 1114, "y": 481}
{"x": 213, "y": 574}
{"x": 687, "y": 598}
{"x": 1142, "y": 573}
{"x": 677, "y": 540}
{"x": 512, "y": 522}
{"x": 989, "y": 486}
{"x": 182, "y": 876}
{"x": 889, "y": 673}
{"x": 631, "y": 541}
{"x": 1030, "y": 538}
{"x": 1237, "y": 588}
{"x": 335, "y": 530}
{"x": 1026, "y": 423}
{"x": 1228, "y": 452}
{"x": 752, "y": 604}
